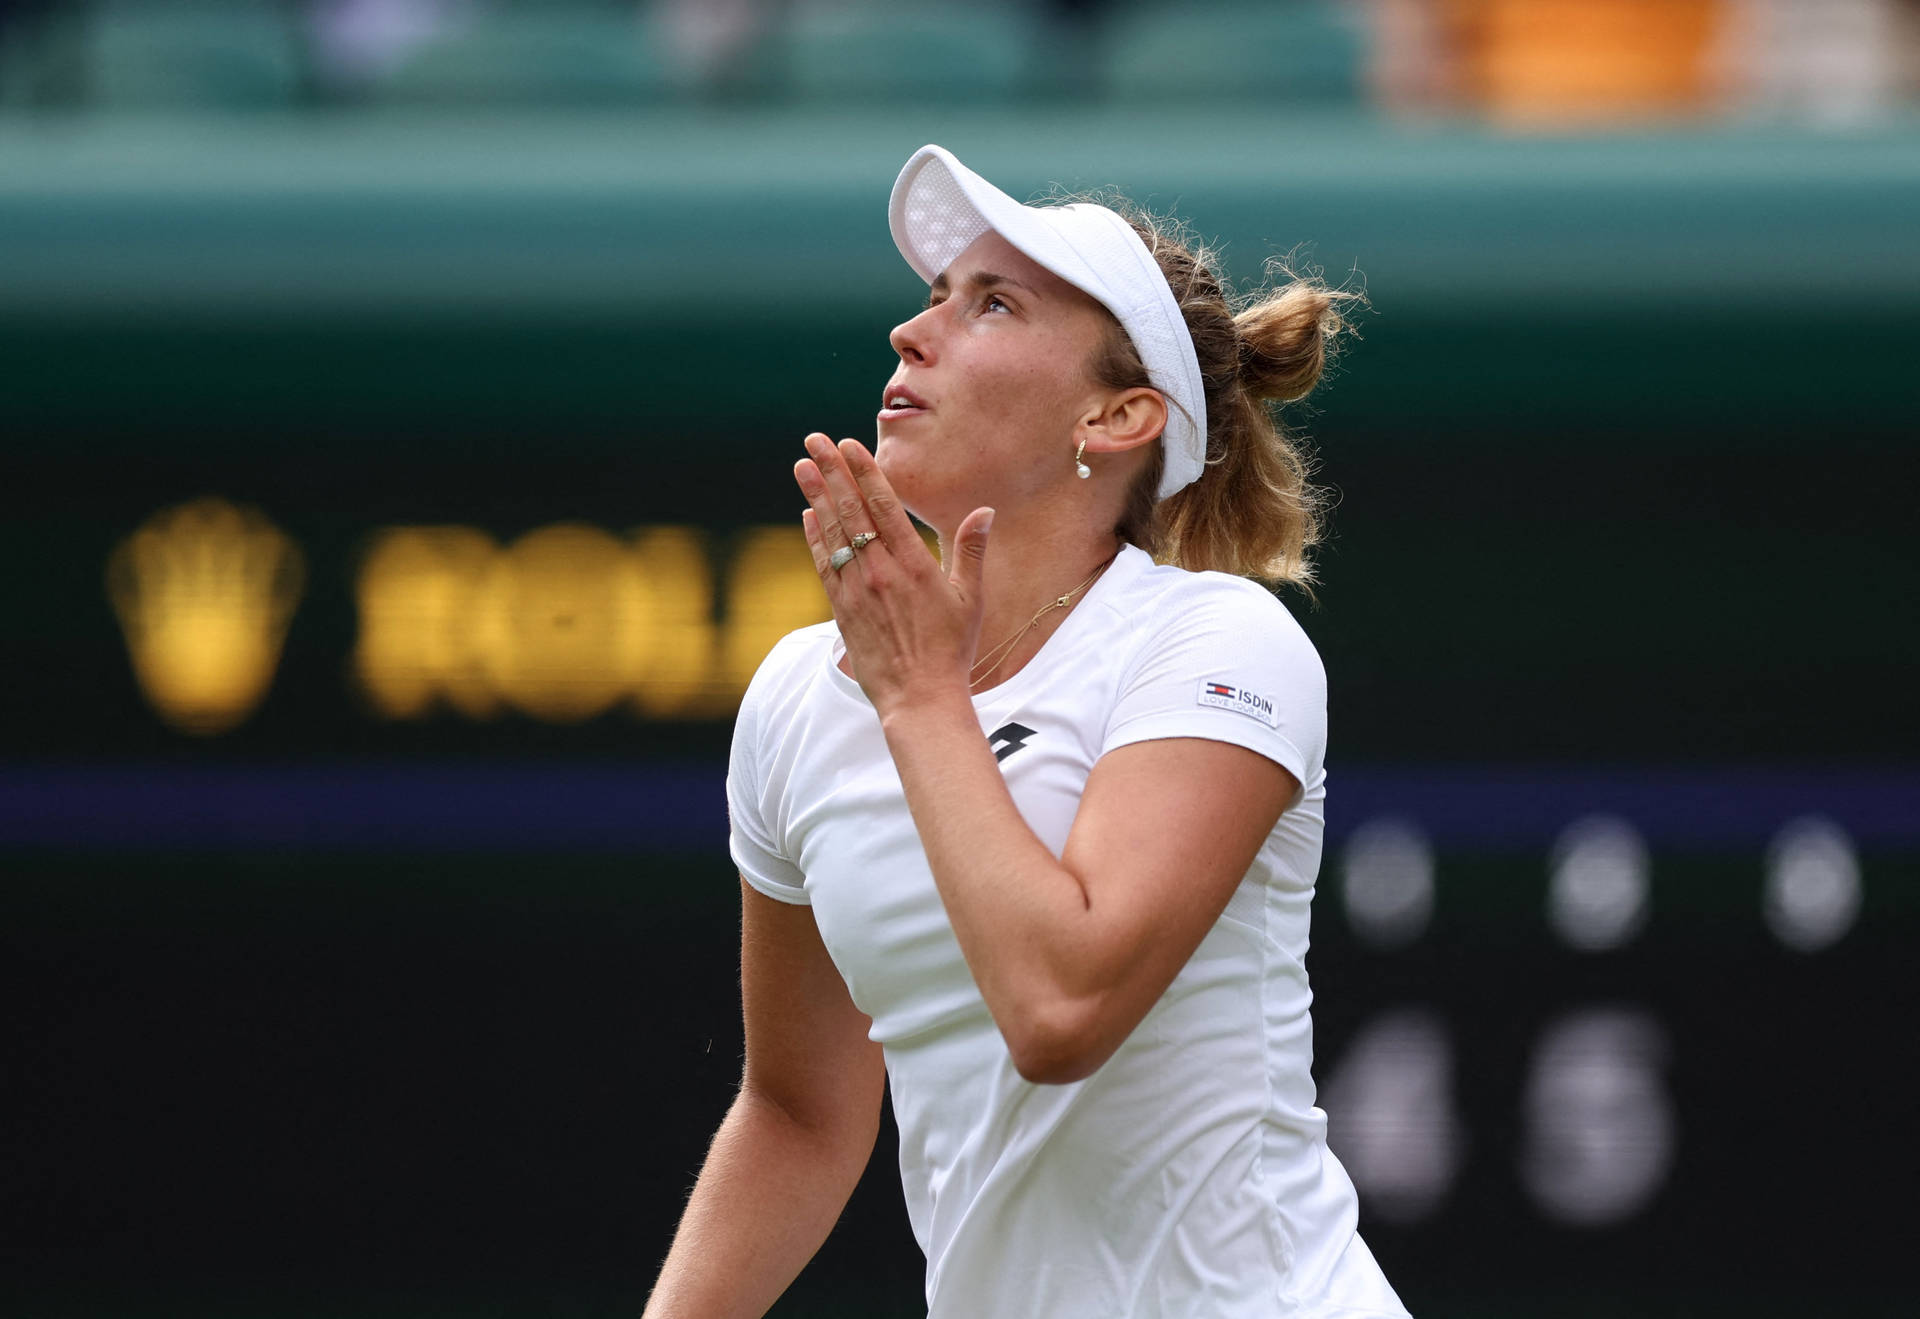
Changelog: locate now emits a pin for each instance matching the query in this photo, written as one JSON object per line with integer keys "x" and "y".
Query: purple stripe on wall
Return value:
{"x": 451, "y": 807}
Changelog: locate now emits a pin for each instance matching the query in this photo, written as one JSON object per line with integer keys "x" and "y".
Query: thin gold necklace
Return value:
{"x": 997, "y": 656}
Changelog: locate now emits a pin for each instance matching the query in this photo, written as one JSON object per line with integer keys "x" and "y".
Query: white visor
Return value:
{"x": 939, "y": 207}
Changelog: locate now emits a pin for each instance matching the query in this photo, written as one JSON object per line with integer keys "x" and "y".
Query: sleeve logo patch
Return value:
{"x": 1225, "y": 696}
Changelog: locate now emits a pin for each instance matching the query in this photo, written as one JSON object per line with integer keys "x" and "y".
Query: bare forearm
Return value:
{"x": 1022, "y": 918}
{"x": 767, "y": 1196}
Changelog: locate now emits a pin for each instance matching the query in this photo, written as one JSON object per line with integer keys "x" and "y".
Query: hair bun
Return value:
{"x": 1285, "y": 338}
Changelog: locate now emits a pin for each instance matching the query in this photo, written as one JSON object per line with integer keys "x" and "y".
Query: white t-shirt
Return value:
{"x": 1187, "y": 1178}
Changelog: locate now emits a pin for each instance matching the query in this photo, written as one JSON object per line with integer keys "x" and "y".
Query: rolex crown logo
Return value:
{"x": 204, "y": 592}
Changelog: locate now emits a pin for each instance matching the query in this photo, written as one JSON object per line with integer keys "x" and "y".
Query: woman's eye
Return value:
{"x": 992, "y": 301}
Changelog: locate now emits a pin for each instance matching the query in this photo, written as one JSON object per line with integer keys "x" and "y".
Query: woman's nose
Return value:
{"x": 910, "y": 340}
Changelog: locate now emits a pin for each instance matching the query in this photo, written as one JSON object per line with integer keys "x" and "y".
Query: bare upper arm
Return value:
{"x": 1165, "y": 832}
{"x": 807, "y": 1045}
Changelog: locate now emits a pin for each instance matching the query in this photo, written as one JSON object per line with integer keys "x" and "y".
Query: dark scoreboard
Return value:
{"x": 340, "y": 1071}
{"x": 399, "y": 968}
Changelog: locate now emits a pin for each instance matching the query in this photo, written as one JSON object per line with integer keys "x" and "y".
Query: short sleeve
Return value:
{"x": 751, "y": 840}
{"x": 1226, "y": 662}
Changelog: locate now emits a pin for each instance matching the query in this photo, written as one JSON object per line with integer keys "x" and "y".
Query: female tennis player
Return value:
{"x": 1032, "y": 835}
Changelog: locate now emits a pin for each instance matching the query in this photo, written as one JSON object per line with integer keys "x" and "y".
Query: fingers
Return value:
{"x": 825, "y": 536}
{"x": 806, "y": 474}
{"x": 883, "y": 506}
{"x": 970, "y": 553}
{"x": 842, "y": 508}
{"x": 816, "y": 543}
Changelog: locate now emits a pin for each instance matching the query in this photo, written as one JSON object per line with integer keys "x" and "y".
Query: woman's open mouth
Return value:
{"x": 897, "y": 403}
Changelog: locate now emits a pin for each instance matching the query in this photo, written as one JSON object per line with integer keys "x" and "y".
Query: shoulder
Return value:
{"x": 794, "y": 658}
{"x": 790, "y": 669}
{"x": 1221, "y": 658}
{"x": 1172, "y": 608}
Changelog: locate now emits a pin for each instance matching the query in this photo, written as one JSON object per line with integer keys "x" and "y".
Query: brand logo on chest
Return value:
{"x": 1007, "y": 739}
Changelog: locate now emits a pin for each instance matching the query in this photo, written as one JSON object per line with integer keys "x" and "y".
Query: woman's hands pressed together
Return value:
{"x": 1070, "y": 950}
{"x": 910, "y": 629}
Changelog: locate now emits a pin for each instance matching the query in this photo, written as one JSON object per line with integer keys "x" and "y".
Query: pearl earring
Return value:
{"x": 1079, "y": 464}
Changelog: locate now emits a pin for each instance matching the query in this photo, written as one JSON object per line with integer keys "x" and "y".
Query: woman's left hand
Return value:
{"x": 910, "y": 629}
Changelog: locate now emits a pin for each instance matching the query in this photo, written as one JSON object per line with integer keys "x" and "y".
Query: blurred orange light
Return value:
{"x": 419, "y": 591}
{"x": 1549, "y": 62}
{"x": 570, "y": 620}
{"x": 204, "y": 592}
{"x": 676, "y": 647}
{"x": 553, "y": 622}
{"x": 772, "y": 589}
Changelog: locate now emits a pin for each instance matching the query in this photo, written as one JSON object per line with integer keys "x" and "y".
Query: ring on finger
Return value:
{"x": 843, "y": 556}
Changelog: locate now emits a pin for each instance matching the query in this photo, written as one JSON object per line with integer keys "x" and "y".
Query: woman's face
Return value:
{"x": 995, "y": 377}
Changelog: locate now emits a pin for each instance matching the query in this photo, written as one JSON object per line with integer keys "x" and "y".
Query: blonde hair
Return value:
{"x": 1253, "y": 512}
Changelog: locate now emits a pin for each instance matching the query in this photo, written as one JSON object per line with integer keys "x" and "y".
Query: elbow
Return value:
{"x": 1056, "y": 1045}
{"x": 1049, "y": 1069}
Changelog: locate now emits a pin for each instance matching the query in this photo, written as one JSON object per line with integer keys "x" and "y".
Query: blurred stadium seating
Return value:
{"x": 869, "y": 51}
{"x": 1516, "y": 62}
{"x": 1247, "y": 51}
{"x": 146, "y": 54}
{"x": 540, "y": 54}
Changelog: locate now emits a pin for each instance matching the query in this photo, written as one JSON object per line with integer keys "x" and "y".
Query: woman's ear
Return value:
{"x": 1131, "y": 418}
